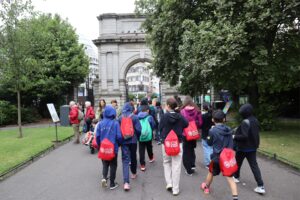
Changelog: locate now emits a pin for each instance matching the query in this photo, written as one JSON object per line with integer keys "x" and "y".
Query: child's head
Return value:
{"x": 94, "y": 122}
{"x": 144, "y": 102}
{"x": 114, "y": 103}
{"x": 218, "y": 116}
{"x": 158, "y": 104}
{"x": 171, "y": 103}
{"x": 205, "y": 106}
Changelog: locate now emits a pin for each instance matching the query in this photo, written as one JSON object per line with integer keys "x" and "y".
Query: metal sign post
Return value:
{"x": 56, "y": 133}
{"x": 54, "y": 117}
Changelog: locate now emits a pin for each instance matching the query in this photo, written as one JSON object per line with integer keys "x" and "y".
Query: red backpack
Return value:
{"x": 94, "y": 143}
{"x": 228, "y": 163}
{"x": 127, "y": 127}
{"x": 107, "y": 150}
{"x": 191, "y": 132}
{"x": 172, "y": 146}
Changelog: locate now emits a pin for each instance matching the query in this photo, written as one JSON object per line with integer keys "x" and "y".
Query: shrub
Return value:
{"x": 9, "y": 114}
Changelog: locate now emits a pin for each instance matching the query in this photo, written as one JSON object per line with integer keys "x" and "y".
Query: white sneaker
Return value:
{"x": 236, "y": 180}
{"x": 104, "y": 183}
{"x": 260, "y": 190}
{"x": 169, "y": 187}
{"x": 188, "y": 173}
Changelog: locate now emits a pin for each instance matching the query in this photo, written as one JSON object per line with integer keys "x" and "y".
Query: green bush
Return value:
{"x": 30, "y": 115}
{"x": 9, "y": 114}
{"x": 267, "y": 114}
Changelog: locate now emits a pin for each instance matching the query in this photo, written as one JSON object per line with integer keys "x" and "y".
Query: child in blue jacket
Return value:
{"x": 129, "y": 146}
{"x": 219, "y": 137}
{"x": 109, "y": 128}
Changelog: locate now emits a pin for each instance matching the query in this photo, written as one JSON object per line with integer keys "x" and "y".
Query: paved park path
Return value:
{"x": 72, "y": 173}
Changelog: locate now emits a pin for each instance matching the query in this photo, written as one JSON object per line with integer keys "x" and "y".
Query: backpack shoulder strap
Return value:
{"x": 247, "y": 121}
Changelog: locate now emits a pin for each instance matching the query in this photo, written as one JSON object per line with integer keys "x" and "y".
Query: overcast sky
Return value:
{"x": 83, "y": 14}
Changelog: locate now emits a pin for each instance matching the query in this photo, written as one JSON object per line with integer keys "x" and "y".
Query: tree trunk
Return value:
{"x": 19, "y": 114}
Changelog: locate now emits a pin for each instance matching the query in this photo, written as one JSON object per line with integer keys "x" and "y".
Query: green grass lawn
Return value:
{"x": 284, "y": 142}
{"x": 14, "y": 150}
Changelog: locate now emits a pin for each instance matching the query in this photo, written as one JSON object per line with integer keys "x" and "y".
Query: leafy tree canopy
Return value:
{"x": 231, "y": 44}
{"x": 61, "y": 58}
{"x": 245, "y": 46}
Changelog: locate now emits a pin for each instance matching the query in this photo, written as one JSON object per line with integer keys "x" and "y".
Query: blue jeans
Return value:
{"x": 207, "y": 151}
{"x": 129, "y": 156}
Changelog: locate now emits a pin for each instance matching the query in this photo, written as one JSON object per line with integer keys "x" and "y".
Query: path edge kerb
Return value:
{"x": 15, "y": 169}
{"x": 277, "y": 159}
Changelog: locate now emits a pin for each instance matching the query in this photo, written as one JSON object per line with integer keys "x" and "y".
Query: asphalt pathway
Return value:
{"x": 72, "y": 173}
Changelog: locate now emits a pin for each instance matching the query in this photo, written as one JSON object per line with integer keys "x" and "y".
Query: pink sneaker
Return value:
{"x": 133, "y": 176}
{"x": 126, "y": 187}
{"x": 205, "y": 188}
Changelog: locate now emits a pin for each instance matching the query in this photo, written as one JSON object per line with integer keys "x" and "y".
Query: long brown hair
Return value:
{"x": 100, "y": 107}
{"x": 188, "y": 101}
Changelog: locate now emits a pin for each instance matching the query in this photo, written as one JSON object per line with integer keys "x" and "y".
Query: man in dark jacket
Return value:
{"x": 247, "y": 141}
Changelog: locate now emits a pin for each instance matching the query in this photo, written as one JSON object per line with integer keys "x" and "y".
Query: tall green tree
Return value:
{"x": 164, "y": 30}
{"x": 61, "y": 58}
{"x": 17, "y": 66}
{"x": 249, "y": 47}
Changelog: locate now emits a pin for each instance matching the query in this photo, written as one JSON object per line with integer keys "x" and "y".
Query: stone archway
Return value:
{"x": 121, "y": 44}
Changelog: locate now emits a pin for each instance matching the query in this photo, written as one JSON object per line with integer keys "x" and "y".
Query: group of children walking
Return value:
{"x": 178, "y": 131}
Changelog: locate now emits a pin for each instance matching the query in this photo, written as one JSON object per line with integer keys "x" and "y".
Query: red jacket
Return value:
{"x": 89, "y": 113}
{"x": 73, "y": 115}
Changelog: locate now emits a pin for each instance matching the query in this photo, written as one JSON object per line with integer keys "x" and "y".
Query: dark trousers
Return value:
{"x": 88, "y": 125}
{"x": 189, "y": 156}
{"x": 142, "y": 147}
{"x": 251, "y": 157}
{"x": 112, "y": 164}
{"x": 133, "y": 165}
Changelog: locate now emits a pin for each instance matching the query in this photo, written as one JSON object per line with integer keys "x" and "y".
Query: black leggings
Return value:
{"x": 251, "y": 157}
{"x": 142, "y": 147}
{"x": 188, "y": 155}
{"x": 112, "y": 164}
